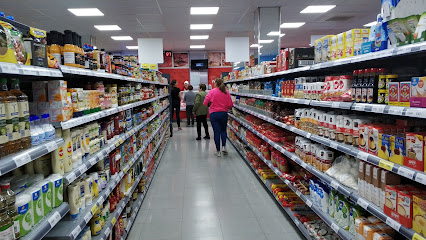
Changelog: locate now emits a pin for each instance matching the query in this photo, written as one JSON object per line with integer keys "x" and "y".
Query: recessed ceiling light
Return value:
{"x": 204, "y": 10}
{"x": 199, "y": 37}
{"x": 197, "y": 46}
{"x": 132, "y": 47}
{"x": 370, "y": 24}
{"x": 201, "y": 26}
{"x": 122, "y": 38}
{"x": 107, "y": 27}
{"x": 292, "y": 24}
{"x": 318, "y": 8}
{"x": 273, "y": 33}
{"x": 266, "y": 41}
{"x": 85, "y": 12}
{"x": 256, "y": 46}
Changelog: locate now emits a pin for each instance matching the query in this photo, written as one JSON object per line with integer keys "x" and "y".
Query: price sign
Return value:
{"x": 335, "y": 227}
{"x": 309, "y": 203}
{"x": 298, "y": 193}
{"x": 421, "y": 178}
{"x": 22, "y": 159}
{"x": 9, "y": 68}
{"x": 393, "y": 224}
{"x": 334, "y": 184}
{"x": 416, "y": 236}
{"x": 117, "y": 144}
{"x": 303, "y": 164}
{"x": 83, "y": 168}
{"x": 406, "y": 172}
{"x": 54, "y": 219}
{"x": 413, "y": 112}
{"x": 396, "y": 110}
{"x": 51, "y": 146}
{"x": 113, "y": 221}
{"x": 101, "y": 199}
{"x": 362, "y": 202}
{"x": 94, "y": 209}
{"x": 333, "y": 145}
{"x": 362, "y": 155}
{"x": 403, "y": 50}
{"x": 71, "y": 177}
{"x": 93, "y": 160}
{"x": 87, "y": 217}
{"x": 335, "y": 105}
{"x": 107, "y": 231}
{"x": 129, "y": 225}
{"x": 296, "y": 222}
{"x": 359, "y": 107}
{"x": 44, "y": 72}
{"x": 386, "y": 165}
{"x": 378, "y": 108}
{"x": 28, "y": 70}
{"x": 76, "y": 231}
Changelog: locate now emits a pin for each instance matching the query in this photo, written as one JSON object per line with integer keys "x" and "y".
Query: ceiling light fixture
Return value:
{"x": 132, "y": 47}
{"x": 370, "y": 24}
{"x": 204, "y": 10}
{"x": 121, "y": 38}
{"x": 273, "y": 33}
{"x": 107, "y": 27}
{"x": 199, "y": 37}
{"x": 197, "y": 46}
{"x": 318, "y": 8}
{"x": 256, "y": 46}
{"x": 266, "y": 41}
{"x": 292, "y": 24}
{"x": 85, "y": 12}
{"x": 201, "y": 26}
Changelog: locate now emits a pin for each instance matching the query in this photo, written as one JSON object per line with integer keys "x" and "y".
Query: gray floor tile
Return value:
{"x": 201, "y": 228}
{"x": 200, "y": 213}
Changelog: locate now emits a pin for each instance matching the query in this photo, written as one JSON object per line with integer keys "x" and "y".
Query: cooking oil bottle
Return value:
{"x": 12, "y": 118}
{"x": 10, "y": 198}
{"x": 6, "y": 224}
{"x": 24, "y": 113}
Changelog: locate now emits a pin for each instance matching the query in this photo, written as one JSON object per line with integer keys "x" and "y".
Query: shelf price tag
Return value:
{"x": 9, "y": 68}
{"x": 416, "y": 236}
{"x": 363, "y": 203}
{"x": 107, "y": 231}
{"x": 335, "y": 227}
{"x": 117, "y": 144}
{"x": 101, "y": 200}
{"x": 296, "y": 222}
{"x": 71, "y": 177}
{"x": 76, "y": 232}
{"x": 309, "y": 203}
{"x": 333, "y": 144}
{"x": 386, "y": 165}
{"x": 403, "y": 50}
{"x": 93, "y": 160}
{"x": 51, "y": 146}
{"x": 298, "y": 193}
{"x": 378, "y": 108}
{"x": 303, "y": 164}
{"x": 414, "y": 112}
{"x": 335, "y": 104}
{"x": 83, "y": 168}
{"x": 359, "y": 107}
{"x": 421, "y": 178}
{"x": 113, "y": 221}
{"x": 54, "y": 219}
{"x": 396, "y": 110}
{"x": 87, "y": 217}
{"x": 22, "y": 159}
{"x": 406, "y": 172}
{"x": 362, "y": 155}
{"x": 334, "y": 184}
{"x": 393, "y": 224}
{"x": 94, "y": 209}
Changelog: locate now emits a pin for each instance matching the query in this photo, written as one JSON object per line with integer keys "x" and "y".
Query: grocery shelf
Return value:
{"x": 47, "y": 223}
{"x": 417, "y": 48}
{"x": 100, "y": 74}
{"x": 267, "y": 184}
{"x": 101, "y": 154}
{"x": 14, "y": 161}
{"x": 71, "y": 229}
{"x": 324, "y": 216}
{"x": 28, "y": 70}
{"x": 109, "y": 224}
{"x": 74, "y": 122}
{"x": 346, "y": 191}
{"x": 409, "y": 173}
{"x": 361, "y": 107}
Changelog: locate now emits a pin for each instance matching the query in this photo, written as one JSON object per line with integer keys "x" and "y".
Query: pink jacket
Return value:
{"x": 220, "y": 102}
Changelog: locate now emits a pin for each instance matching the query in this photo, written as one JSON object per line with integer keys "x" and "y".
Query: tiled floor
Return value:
{"x": 196, "y": 196}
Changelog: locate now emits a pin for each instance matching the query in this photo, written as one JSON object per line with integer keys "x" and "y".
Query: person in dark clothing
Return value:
{"x": 176, "y": 97}
{"x": 189, "y": 100}
{"x": 201, "y": 111}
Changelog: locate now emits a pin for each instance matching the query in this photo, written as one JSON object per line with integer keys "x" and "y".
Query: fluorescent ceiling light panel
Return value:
{"x": 370, "y": 24}
{"x": 318, "y": 8}
{"x": 107, "y": 27}
{"x": 292, "y": 25}
{"x": 266, "y": 41}
{"x": 132, "y": 47}
{"x": 199, "y": 37}
{"x": 204, "y": 10}
{"x": 121, "y": 38}
{"x": 273, "y": 33}
{"x": 201, "y": 26}
{"x": 256, "y": 46}
{"x": 197, "y": 46}
{"x": 85, "y": 12}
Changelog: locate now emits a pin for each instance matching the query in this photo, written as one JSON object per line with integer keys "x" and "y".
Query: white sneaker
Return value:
{"x": 224, "y": 151}
{"x": 218, "y": 154}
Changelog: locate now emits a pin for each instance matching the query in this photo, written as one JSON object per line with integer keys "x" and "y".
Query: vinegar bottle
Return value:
{"x": 12, "y": 118}
{"x": 24, "y": 113}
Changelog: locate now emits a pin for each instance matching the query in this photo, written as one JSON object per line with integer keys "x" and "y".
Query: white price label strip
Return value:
{"x": 421, "y": 178}
{"x": 83, "y": 168}
{"x": 413, "y": 112}
{"x": 71, "y": 177}
{"x": 308, "y": 135}
{"x": 76, "y": 232}
{"x": 396, "y": 110}
{"x": 29, "y": 71}
{"x": 362, "y": 155}
{"x": 298, "y": 193}
{"x": 22, "y": 159}
{"x": 107, "y": 231}
{"x": 88, "y": 217}
{"x": 359, "y": 107}
{"x": 335, "y": 227}
{"x": 9, "y": 68}
{"x": 101, "y": 200}
{"x": 393, "y": 224}
{"x": 406, "y": 172}
{"x": 403, "y": 50}
{"x": 334, "y": 184}
{"x": 378, "y": 108}
{"x": 296, "y": 222}
{"x": 334, "y": 145}
{"x": 363, "y": 203}
{"x": 51, "y": 146}
{"x": 309, "y": 203}
{"x": 303, "y": 164}
{"x": 93, "y": 160}
{"x": 54, "y": 219}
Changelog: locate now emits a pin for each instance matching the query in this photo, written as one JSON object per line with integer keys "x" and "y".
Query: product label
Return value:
{"x": 24, "y": 120}
{"x": 370, "y": 95}
{"x": 25, "y": 218}
{"x": 3, "y": 128}
{"x": 6, "y": 233}
{"x": 69, "y": 57}
{"x": 12, "y": 121}
{"x": 358, "y": 95}
{"x": 16, "y": 228}
{"x": 364, "y": 95}
{"x": 58, "y": 57}
{"x": 58, "y": 193}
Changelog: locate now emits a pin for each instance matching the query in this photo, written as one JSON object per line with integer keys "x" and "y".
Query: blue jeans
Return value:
{"x": 219, "y": 121}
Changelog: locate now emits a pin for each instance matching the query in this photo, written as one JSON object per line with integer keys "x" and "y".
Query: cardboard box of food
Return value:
{"x": 391, "y": 201}
{"x": 385, "y": 146}
{"x": 368, "y": 181}
{"x": 361, "y": 178}
{"x": 415, "y": 150}
{"x": 375, "y": 191}
{"x": 419, "y": 213}
{"x": 418, "y": 92}
{"x": 387, "y": 178}
{"x": 393, "y": 93}
{"x": 397, "y": 149}
{"x": 404, "y": 94}
{"x": 405, "y": 208}
{"x": 341, "y": 44}
{"x": 57, "y": 90}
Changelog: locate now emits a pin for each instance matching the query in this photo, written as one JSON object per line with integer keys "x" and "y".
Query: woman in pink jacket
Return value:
{"x": 220, "y": 103}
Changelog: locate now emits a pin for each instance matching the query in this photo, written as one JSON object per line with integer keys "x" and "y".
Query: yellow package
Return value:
{"x": 419, "y": 214}
{"x": 385, "y": 145}
{"x": 397, "y": 149}
{"x": 326, "y": 52}
{"x": 341, "y": 45}
{"x": 355, "y": 37}
{"x": 318, "y": 50}
{"x": 363, "y": 38}
{"x": 333, "y": 47}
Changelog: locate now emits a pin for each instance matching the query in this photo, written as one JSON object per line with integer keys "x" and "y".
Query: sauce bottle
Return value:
{"x": 364, "y": 86}
{"x": 61, "y": 45}
{"x": 58, "y": 156}
{"x": 359, "y": 86}
{"x": 55, "y": 49}
{"x": 12, "y": 118}
{"x": 76, "y": 49}
{"x": 81, "y": 51}
{"x": 6, "y": 224}
{"x": 354, "y": 85}
{"x": 372, "y": 89}
{"x": 24, "y": 113}
{"x": 9, "y": 195}
{"x": 66, "y": 135}
{"x": 3, "y": 128}
{"x": 69, "y": 49}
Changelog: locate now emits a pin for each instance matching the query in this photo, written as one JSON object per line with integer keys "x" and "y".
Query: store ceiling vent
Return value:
{"x": 338, "y": 18}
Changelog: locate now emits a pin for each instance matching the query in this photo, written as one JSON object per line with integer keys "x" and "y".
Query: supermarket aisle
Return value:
{"x": 195, "y": 195}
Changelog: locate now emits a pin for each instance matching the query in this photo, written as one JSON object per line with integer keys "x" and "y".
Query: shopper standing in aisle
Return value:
{"x": 189, "y": 100}
{"x": 221, "y": 103}
{"x": 176, "y": 97}
{"x": 201, "y": 111}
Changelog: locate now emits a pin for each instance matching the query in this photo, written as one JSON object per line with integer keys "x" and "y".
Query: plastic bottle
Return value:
{"x": 34, "y": 132}
{"x": 24, "y": 113}
{"x": 10, "y": 198}
{"x": 55, "y": 49}
{"x": 49, "y": 130}
{"x": 58, "y": 164}
{"x": 69, "y": 49}
{"x": 57, "y": 191}
{"x": 12, "y": 118}
{"x": 6, "y": 224}
{"x": 41, "y": 133}
{"x": 3, "y": 128}
{"x": 68, "y": 150}
{"x": 73, "y": 200}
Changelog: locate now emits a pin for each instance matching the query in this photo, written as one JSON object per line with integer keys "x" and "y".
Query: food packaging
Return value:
{"x": 37, "y": 203}
{"x": 391, "y": 198}
{"x": 360, "y": 223}
{"x": 46, "y": 194}
{"x": 419, "y": 213}
{"x": 414, "y": 150}
{"x": 384, "y": 146}
{"x": 362, "y": 136}
{"x": 393, "y": 93}
{"x": 25, "y": 213}
{"x": 404, "y": 208}
{"x": 397, "y": 149}
{"x": 361, "y": 178}
{"x": 57, "y": 190}
{"x": 368, "y": 181}
{"x": 341, "y": 43}
{"x": 404, "y": 94}
{"x": 375, "y": 186}
{"x": 418, "y": 92}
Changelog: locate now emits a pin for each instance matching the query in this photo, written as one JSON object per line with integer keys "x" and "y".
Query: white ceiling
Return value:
{"x": 170, "y": 19}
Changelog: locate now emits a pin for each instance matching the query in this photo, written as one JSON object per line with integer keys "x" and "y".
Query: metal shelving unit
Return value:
{"x": 28, "y": 70}
{"x": 14, "y": 161}
{"x": 71, "y": 229}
